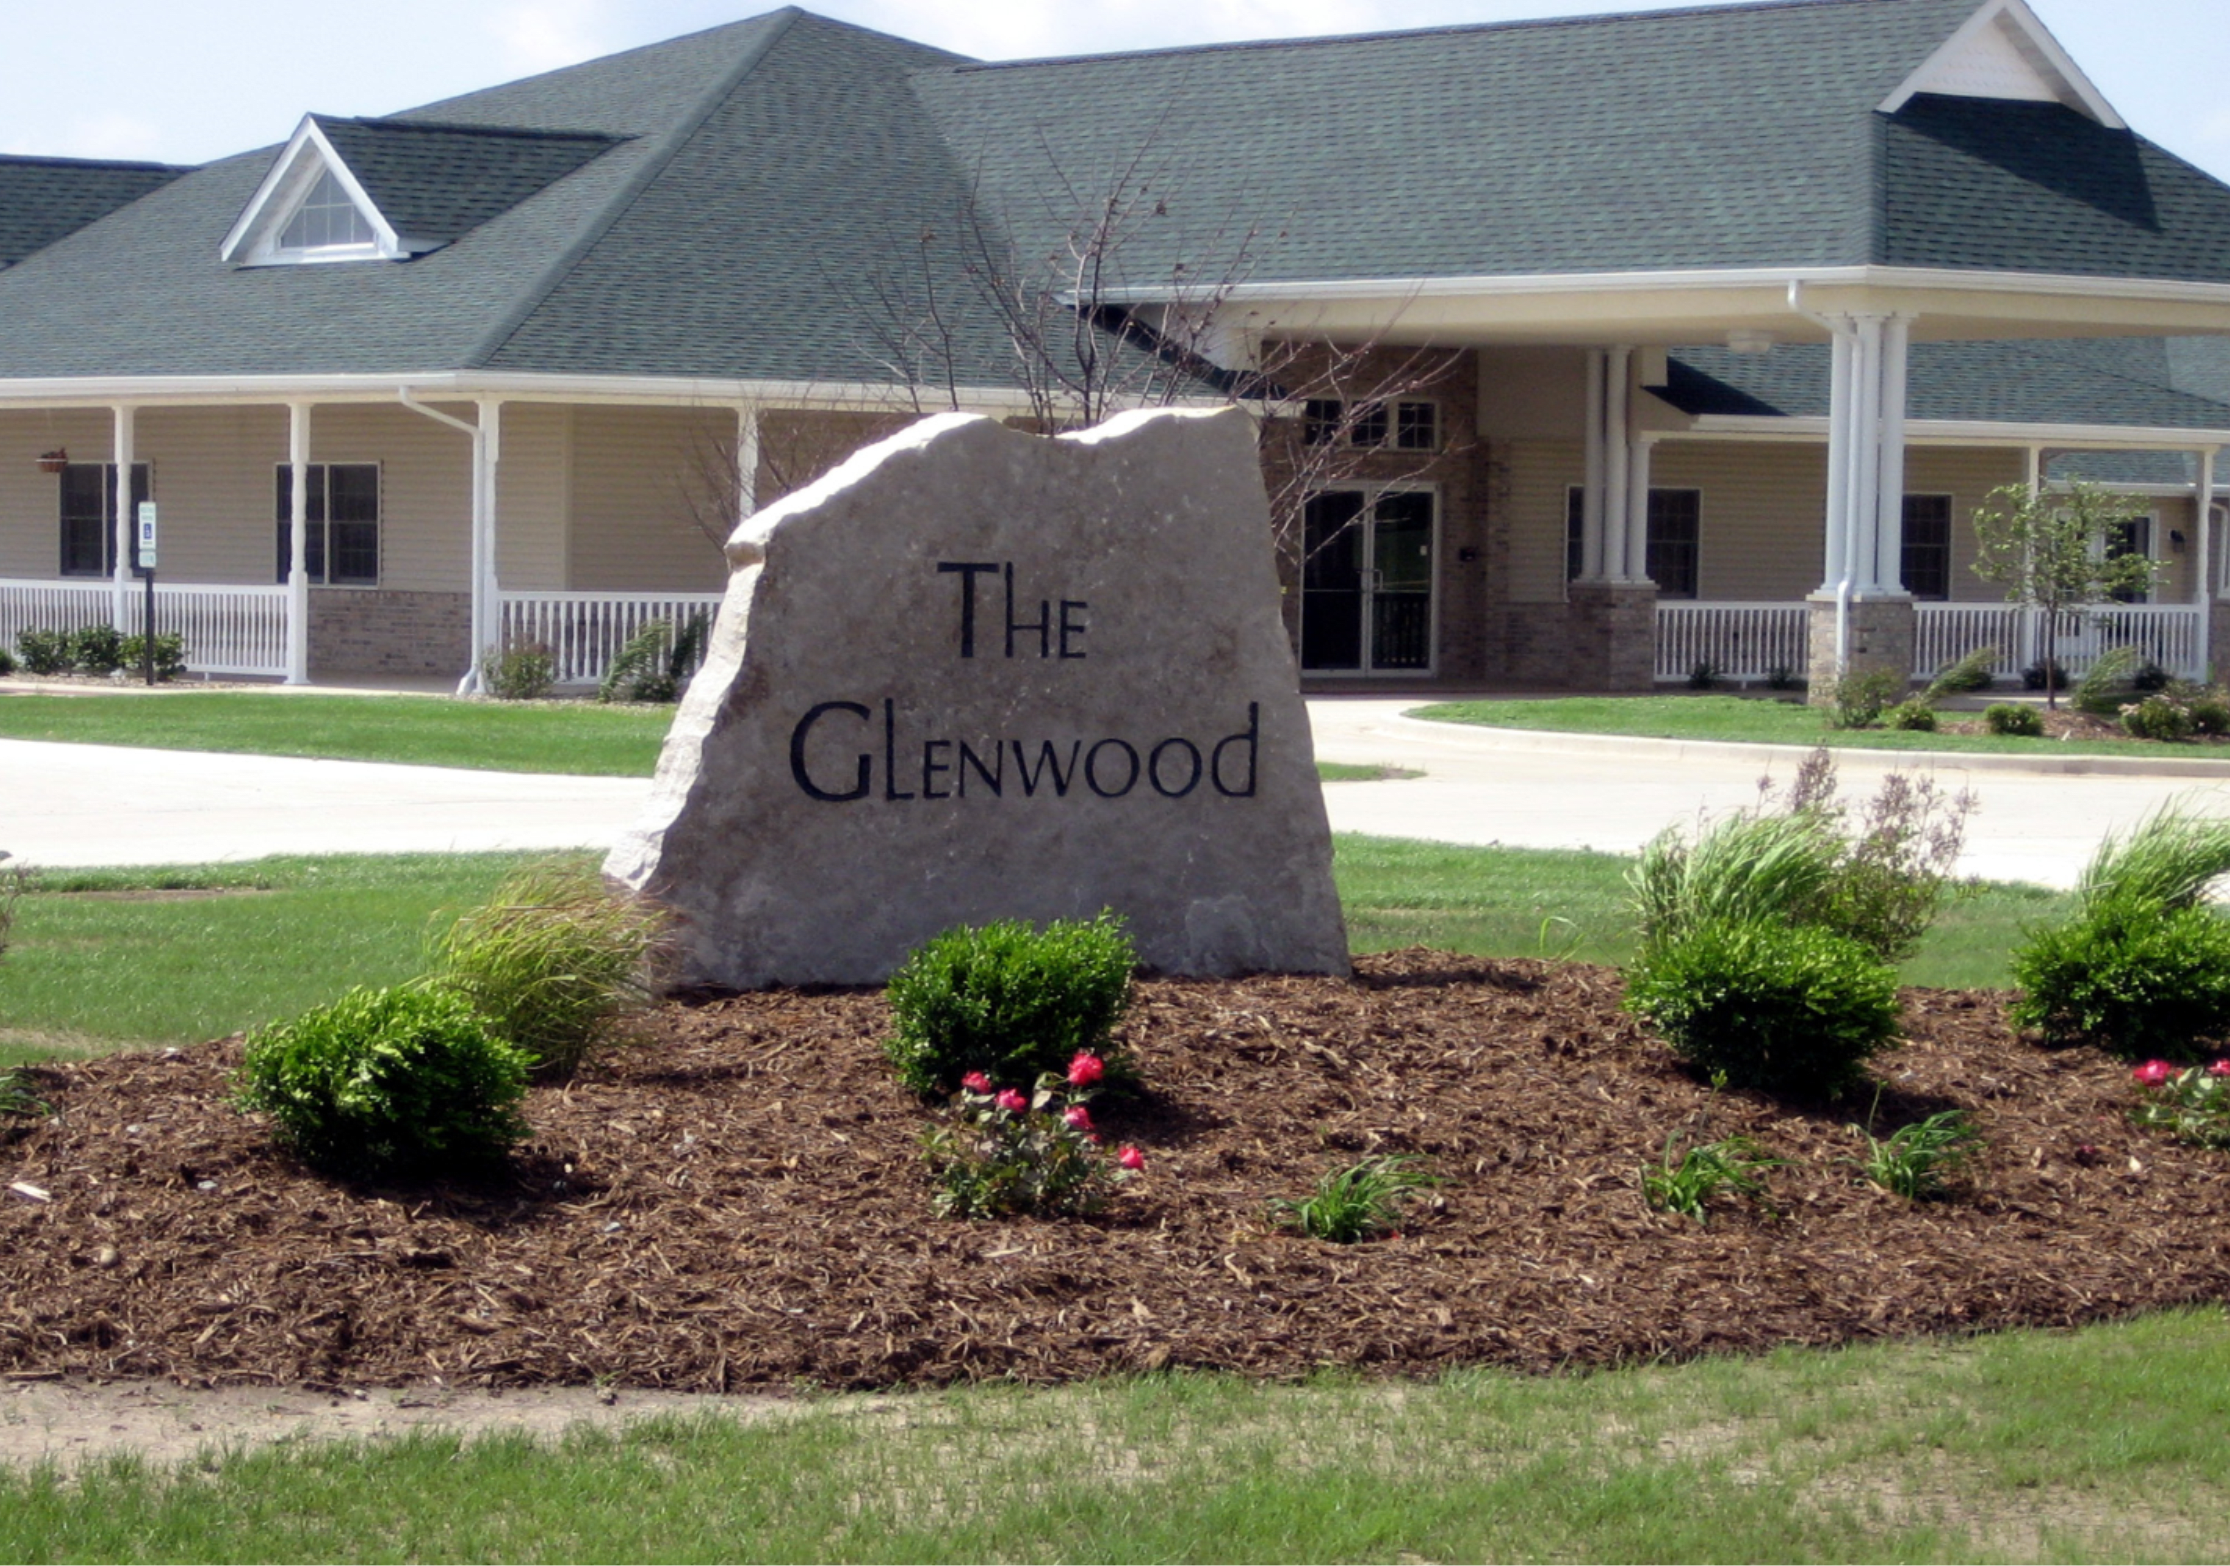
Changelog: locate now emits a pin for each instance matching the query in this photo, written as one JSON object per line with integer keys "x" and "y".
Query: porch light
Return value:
{"x": 53, "y": 461}
{"x": 1749, "y": 340}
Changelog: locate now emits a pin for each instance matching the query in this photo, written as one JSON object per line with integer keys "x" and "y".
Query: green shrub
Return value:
{"x": 170, "y": 655}
{"x": 1703, "y": 675}
{"x": 1784, "y": 1007}
{"x": 2169, "y": 860}
{"x": 2108, "y": 682}
{"x": 2159, "y": 716}
{"x": 2010, "y": 717}
{"x": 2150, "y": 676}
{"x": 7, "y": 662}
{"x": 401, "y": 1081}
{"x": 519, "y": 673}
{"x": 1913, "y": 713}
{"x": 96, "y": 649}
{"x": 1962, "y": 675}
{"x": 1008, "y": 1000}
{"x": 1783, "y": 677}
{"x": 1360, "y": 1202}
{"x": 552, "y": 963}
{"x": 2134, "y": 978}
{"x": 1861, "y": 699}
{"x": 2209, "y": 708}
{"x": 44, "y": 652}
{"x": 1747, "y": 866}
{"x": 656, "y": 662}
{"x": 2034, "y": 677}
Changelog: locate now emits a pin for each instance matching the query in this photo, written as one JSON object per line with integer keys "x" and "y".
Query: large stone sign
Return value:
{"x": 974, "y": 674}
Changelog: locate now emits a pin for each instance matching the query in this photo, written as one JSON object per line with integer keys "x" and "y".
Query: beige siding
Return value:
{"x": 214, "y": 484}
{"x": 1530, "y": 495}
{"x": 1967, "y": 476}
{"x": 534, "y": 496}
{"x": 633, "y": 528}
{"x": 425, "y": 489}
{"x": 1763, "y": 515}
{"x": 31, "y": 501}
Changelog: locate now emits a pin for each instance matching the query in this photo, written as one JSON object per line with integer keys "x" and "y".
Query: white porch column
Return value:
{"x": 298, "y": 545}
{"x": 1889, "y": 481}
{"x": 1618, "y": 369}
{"x": 487, "y": 604}
{"x": 120, "y": 524}
{"x": 2203, "y": 589}
{"x": 1836, "y": 536}
{"x": 1591, "y": 492}
{"x": 1863, "y": 519}
{"x": 1637, "y": 508}
{"x": 747, "y": 460}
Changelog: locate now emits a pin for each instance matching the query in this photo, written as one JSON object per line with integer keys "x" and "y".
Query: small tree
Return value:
{"x": 2056, "y": 551}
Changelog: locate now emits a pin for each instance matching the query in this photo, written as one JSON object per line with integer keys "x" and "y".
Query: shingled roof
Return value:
{"x": 42, "y": 199}
{"x": 794, "y": 199}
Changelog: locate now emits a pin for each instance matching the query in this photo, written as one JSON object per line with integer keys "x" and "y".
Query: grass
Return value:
{"x": 2098, "y": 1445}
{"x": 1768, "y": 722}
{"x": 432, "y": 731}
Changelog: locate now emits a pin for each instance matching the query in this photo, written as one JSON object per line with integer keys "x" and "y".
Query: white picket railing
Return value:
{"x": 2166, "y": 634}
{"x": 1740, "y": 641}
{"x": 226, "y": 629}
{"x": 583, "y": 631}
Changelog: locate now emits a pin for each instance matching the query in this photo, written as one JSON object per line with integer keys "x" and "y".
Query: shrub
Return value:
{"x": 1782, "y": 677}
{"x": 2107, "y": 683}
{"x": 1748, "y": 866}
{"x": 2034, "y": 677}
{"x": 1784, "y": 1007}
{"x": 1861, "y": 699}
{"x": 2010, "y": 717}
{"x": 1734, "y": 1165}
{"x": 2209, "y": 709}
{"x": 1008, "y": 1000}
{"x": 44, "y": 652}
{"x": 400, "y": 1081}
{"x": 2150, "y": 676}
{"x": 1918, "y": 1161}
{"x": 1703, "y": 675}
{"x": 2159, "y": 717}
{"x": 2169, "y": 860}
{"x": 7, "y": 662}
{"x": 655, "y": 663}
{"x": 19, "y": 1096}
{"x": 2192, "y": 1105}
{"x": 1962, "y": 675}
{"x": 170, "y": 655}
{"x": 96, "y": 649}
{"x": 519, "y": 673}
{"x": 1913, "y": 713}
{"x": 1360, "y": 1202}
{"x": 2133, "y": 978}
{"x": 1024, "y": 1153}
{"x": 552, "y": 963}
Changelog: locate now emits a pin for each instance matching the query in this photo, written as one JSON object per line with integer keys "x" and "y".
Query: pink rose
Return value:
{"x": 1131, "y": 1158}
{"x": 1078, "y": 1117}
{"x": 976, "y": 1082}
{"x": 1086, "y": 1069}
{"x": 2220, "y": 1068}
{"x": 2153, "y": 1073}
{"x": 1011, "y": 1100}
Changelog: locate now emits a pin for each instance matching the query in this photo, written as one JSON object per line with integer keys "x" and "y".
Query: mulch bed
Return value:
{"x": 740, "y": 1202}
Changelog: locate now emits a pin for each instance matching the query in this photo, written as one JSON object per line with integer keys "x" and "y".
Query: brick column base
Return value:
{"x": 1881, "y": 637}
{"x": 2218, "y": 640}
{"x": 1614, "y": 635}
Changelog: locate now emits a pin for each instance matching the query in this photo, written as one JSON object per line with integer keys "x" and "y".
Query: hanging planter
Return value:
{"x": 53, "y": 461}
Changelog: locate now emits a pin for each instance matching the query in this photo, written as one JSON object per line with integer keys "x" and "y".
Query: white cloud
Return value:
{"x": 542, "y": 35}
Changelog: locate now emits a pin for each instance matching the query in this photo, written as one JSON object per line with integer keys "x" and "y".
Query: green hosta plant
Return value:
{"x": 1918, "y": 1161}
{"x": 1732, "y": 1166}
{"x": 2193, "y": 1105}
{"x": 1360, "y": 1202}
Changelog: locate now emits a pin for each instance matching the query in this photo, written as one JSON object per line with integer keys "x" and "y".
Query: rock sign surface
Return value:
{"x": 974, "y": 674}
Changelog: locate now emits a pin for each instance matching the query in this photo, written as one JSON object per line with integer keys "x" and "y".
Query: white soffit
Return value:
{"x": 2003, "y": 51}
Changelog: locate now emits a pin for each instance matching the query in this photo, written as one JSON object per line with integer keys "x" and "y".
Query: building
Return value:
{"x": 1736, "y": 314}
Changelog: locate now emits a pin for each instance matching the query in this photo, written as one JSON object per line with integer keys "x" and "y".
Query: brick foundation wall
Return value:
{"x": 1613, "y": 637}
{"x": 380, "y": 631}
{"x": 1881, "y": 637}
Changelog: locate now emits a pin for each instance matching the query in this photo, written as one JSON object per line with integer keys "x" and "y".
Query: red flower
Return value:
{"x": 2153, "y": 1073}
{"x": 1086, "y": 1069}
{"x": 1131, "y": 1158}
{"x": 1078, "y": 1117}
{"x": 976, "y": 1082}
{"x": 2220, "y": 1068}
{"x": 1011, "y": 1100}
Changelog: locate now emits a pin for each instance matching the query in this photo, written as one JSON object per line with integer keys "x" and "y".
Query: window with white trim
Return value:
{"x": 326, "y": 221}
{"x": 1924, "y": 563}
{"x": 341, "y": 542}
{"x": 1675, "y": 540}
{"x": 88, "y": 507}
{"x": 1406, "y": 424}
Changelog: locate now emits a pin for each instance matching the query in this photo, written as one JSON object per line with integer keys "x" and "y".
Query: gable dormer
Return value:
{"x": 387, "y": 190}
{"x": 312, "y": 208}
{"x": 2004, "y": 52}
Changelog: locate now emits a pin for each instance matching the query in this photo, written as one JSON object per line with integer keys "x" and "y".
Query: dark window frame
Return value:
{"x": 346, "y": 535}
{"x": 1924, "y": 564}
{"x": 1674, "y": 561}
{"x": 76, "y": 522}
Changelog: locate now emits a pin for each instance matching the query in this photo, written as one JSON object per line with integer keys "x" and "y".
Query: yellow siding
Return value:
{"x": 214, "y": 484}
{"x": 1531, "y": 500}
{"x": 1763, "y": 521}
{"x": 31, "y": 501}
{"x": 533, "y": 496}
{"x": 425, "y": 490}
{"x": 633, "y": 528}
{"x": 1967, "y": 475}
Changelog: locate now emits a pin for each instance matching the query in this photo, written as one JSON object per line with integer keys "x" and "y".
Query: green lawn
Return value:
{"x": 2104, "y": 1444}
{"x": 1769, "y": 721}
{"x": 434, "y": 731}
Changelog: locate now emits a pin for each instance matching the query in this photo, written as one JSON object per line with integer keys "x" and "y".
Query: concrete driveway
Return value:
{"x": 95, "y": 804}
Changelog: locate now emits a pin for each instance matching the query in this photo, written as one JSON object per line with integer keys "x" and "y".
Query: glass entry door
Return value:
{"x": 1366, "y": 586}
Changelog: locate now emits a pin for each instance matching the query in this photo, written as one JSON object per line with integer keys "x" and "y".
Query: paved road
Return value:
{"x": 94, "y": 804}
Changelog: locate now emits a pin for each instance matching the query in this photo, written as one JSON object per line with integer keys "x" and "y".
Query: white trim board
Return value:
{"x": 2003, "y": 51}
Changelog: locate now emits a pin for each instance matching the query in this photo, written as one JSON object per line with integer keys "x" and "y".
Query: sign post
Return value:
{"x": 146, "y": 568}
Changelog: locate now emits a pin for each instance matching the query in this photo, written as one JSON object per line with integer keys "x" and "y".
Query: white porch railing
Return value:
{"x": 2166, "y": 634}
{"x": 583, "y": 631}
{"x": 1741, "y": 641}
{"x": 226, "y": 629}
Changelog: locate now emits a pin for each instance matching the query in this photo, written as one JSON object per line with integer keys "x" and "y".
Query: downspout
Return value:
{"x": 2206, "y": 572}
{"x": 1841, "y": 555}
{"x": 469, "y": 684}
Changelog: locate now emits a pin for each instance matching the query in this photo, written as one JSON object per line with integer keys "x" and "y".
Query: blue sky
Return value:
{"x": 189, "y": 82}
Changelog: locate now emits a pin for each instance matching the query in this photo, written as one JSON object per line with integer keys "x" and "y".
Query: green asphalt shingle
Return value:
{"x": 434, "y": 182}
{"x": 44, "y": 199}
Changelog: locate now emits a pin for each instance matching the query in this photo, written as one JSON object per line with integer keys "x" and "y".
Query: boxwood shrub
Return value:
{"x": 2133, "y": 976}
{"x": 399, "y": 1081}
{"x": 1010, "y": 1000}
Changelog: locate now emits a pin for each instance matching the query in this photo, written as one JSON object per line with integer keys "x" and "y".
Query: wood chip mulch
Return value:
{"x": 739, "y": 1202}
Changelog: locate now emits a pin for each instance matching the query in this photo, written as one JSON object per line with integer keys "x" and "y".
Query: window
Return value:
{"x": 1925, "y": 563}
{"x": 342, "y": 541}
{"x": 89, "y": 516}
{"x": 327, "y": 220}
{"x": 1575, "y": 532}
{"x": 2133, "y": 537}
{"x": 1675, "y": 529}
{"x": 1402, "y": 426}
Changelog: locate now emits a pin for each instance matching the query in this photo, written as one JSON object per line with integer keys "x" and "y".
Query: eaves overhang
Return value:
{"x": 1969, "y": 432}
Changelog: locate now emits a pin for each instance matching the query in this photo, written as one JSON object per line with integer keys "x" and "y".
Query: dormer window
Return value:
{"x": 328, "y": 220}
